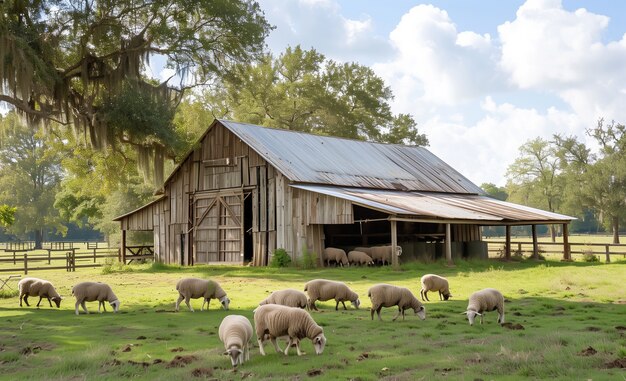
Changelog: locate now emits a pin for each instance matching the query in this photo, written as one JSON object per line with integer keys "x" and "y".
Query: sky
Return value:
{"x": 480, "y": 78}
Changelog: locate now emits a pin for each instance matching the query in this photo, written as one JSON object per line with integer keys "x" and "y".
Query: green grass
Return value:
{"x": 564, "y": 309}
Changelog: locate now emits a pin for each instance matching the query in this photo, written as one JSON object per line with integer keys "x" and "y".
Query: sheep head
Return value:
{"x": 234, "y": 354}
{"x": 319, "y": 342}
{"x": 225, "y": 302}
{"x": 116, "y": 305}
{"x": 57, "y": 300}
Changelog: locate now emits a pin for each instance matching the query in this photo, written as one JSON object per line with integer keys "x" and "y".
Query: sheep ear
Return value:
{"x": 463, "y": 313}
{"x": 226, "y": 353}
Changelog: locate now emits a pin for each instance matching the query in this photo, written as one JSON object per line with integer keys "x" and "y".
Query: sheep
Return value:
{"x": 432, "y": 282}
{"x": 288, "y": 297}
{"x": 200, "y": 288}
{"x": 383, "y": 253}
{"x": 235, "y": 332}
{"x": 323, "y": 290}
{"x": 359, "y": 257}
{"x": 92, "y": 291}
{"x": 337, "y": 255}
{"x": 386, "y": 295}
{"x": 38, "y": 287}
{"x": 366, "y": 250}
{"x": 482, "y": 301}
{"x": 273, "y": 321}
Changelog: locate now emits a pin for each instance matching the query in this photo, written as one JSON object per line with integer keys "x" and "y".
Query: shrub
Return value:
{"x": 6, "y": 294}
{"x": 588, "y": 256}
{"x": 112, "y": 265}
{"x": 309, "y": 259}
{"x": 280, "y": 258}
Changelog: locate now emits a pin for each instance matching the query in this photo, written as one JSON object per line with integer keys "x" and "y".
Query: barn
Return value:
{"x": 246, "y": 190}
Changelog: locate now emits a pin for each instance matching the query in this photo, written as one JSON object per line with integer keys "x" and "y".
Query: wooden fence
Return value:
{"x": 600, "y": 250}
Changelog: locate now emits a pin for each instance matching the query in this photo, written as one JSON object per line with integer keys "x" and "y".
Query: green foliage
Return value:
{"x": 589, "y": 256}
{"x": 309, "y": 259}
{"x": 8, "y": 293}
{"x": 7, "y": 215}
{"x": 280, "y": 258}
{"x": 112, "y": 265}
{"x": 499, "y": 193}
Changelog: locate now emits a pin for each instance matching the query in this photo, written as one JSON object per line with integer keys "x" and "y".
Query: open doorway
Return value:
{"x": 247, "y": 228}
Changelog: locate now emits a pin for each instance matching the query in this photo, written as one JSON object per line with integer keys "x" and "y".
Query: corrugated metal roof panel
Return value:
{"x": 307, "y": 158}
{"x": 440, "y": 206}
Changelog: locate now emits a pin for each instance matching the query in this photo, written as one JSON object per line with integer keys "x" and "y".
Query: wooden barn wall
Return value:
{"x": 141, "y": 220}
{"x": 465, "y": 233}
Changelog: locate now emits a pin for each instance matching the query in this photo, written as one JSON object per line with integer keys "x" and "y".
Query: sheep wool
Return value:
{"x": 235, "y": 332}
{"x": 38, "y": 287}
{"x": 323, "y": 290}
{"x": 383, "y": 253}
{"x": 359, "y": 257}
{"x": 386, "y": 295}
{"x": 94, "y": 291}
{"x": 273, "y": 321}
{"x": 432, "y": 282}
{"x": 288, "y": 297}
{"x": 194, "y": 288}
{"x": 337, "y": 255}
{"x": 366, "y": 250}
{"x": 488, "y": 299}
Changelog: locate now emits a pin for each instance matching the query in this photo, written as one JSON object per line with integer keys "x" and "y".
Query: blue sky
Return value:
{"x": 479, "y": 77}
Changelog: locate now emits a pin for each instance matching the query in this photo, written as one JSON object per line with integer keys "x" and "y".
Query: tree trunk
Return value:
{"x": 553, "y": 233}
{"x": 38, "y": 239}
{"x": 615, "y": 224}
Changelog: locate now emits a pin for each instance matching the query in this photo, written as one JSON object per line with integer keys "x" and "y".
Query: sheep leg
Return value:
{"x": 398, "y": 314}
{"x": 276, "y": 347}
{"x": 440, "y": 296}
{"x": 300, "y": 353}
{"x": 76, "y": 309}
{"x": 378, "y": 312}
{"x": 481, "y": 318}
{"x": 344, "y": 305}
{"x": 180, "y": 299}
{"x": 208, "y": 302}
{"x": 289, "y": 342}
{"x": 260, "y": 341}
{"x": 500, "y": 316}
{"x": 187, "y": 303}
{"x": 26, "y": 300}
{"x": 426, "y": 295}
{"x": 41, "y": 297}
{"x": 49, "y": 302}
{"x": 84, "y": 306}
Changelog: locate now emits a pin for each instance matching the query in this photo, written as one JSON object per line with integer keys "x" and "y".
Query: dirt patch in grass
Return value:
{"x": 142, "y": 363}
{"x": 179, "y": 349}
{"x": 593, "y": 329}
{"x": 365, "y": 356}
{"x": 141, "y": 338}
{"x": 314, "y": 372}
{"x": 618, "y": 363}
{"x": 589, "y": 351}
{"x": 620, "y": 328}
{"x": 515, "y": 326}
{"x": 202, "y": 372}
{"x": 181, "y": 361}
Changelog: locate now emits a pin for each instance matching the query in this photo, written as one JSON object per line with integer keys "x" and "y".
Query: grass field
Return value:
{"x": 573, "y": 317}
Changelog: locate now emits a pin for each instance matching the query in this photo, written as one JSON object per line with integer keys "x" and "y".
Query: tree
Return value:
{"x": 84, "y": 63}
{"x": 303, "y": 91}
{"x": 30, "y": 173}
{"x": 534, "y": 177}
{"x": 7, "y": 215}
{"x": 499, "y": 193}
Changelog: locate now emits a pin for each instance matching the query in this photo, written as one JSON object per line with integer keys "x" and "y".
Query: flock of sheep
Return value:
{"x": 284, "y": 313}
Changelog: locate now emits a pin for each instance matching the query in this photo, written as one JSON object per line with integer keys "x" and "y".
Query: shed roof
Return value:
{"x": 441, "y": 206}
{"x": 314, "y": 159}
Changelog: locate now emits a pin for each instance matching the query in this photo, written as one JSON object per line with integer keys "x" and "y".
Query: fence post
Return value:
{"x": 49, "y": 256}
{"x": 94, "y": 255}
{"x": 25, "y": 263}
{"x": 606, "y": 251}
{"x": 14, "y": 262}
{"x": 67, "y": 261}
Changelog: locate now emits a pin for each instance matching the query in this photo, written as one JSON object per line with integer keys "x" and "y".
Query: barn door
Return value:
{"x": 218, "y": 228}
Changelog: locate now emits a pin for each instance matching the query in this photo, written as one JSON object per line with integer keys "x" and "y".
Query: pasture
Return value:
{"x": 573, "y": 317}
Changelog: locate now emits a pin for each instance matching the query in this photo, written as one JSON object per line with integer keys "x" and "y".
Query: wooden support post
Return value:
{"x": 567, "y": 255}
{"x": 507, "y": 244}
{"x": 49, "y": 256}
{"x": 449, "y": 246}
{"x": 394, "y": 245}
{"x": 535, "y": 246}
{"x": 606, "y": 251}
{"x": 25, "y": 263}
{"x": 123, "y": 248}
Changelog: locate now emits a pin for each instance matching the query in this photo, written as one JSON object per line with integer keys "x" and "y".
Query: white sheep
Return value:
{"x": 386, "y": 295}
{"x": 38, "y": 287}
{"x": 288, "y": 297}
{"x": 482, "y": 301}
{"x": 92, "y": 291}
{"x": 383, "y": 253}
{"x": 359, "y": 257}
{"x": 337, "y": 255}
{"x": 323, "y": 290}
{"x": 273, "y": 321}
{"x": 235, "y": 332}
{"x": 194, "y": 288}
{"x": 366, "y": 250}
{"x": 432, "y": 282}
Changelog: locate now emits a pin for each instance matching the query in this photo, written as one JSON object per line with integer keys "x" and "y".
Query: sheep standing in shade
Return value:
{"x": 482, "y": 301}
{"x": 38, "y": 287}
{"x": 386, "y": 295}
{"x": 359, "y": 257}
{"x": 274, "y": 320}
{"x": 383, "y": 253}
{"x": 236, "y": 332}
{"x": 323, "y": 290}
{"x": 206, "y": 289}
{"x": 337, "y": 255}
{"x": 366, "y": 250}
{"x": 92, "y": 291}
{"x": 288, "y": 297}
{"x": 432, "y": 282}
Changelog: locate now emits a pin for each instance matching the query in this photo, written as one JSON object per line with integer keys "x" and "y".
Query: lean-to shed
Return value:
{"x": 247, "y": 190}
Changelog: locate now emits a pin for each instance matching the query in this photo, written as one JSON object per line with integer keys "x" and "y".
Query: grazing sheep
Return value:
{"x": 386, "y": 295}
{"x": 359, "y": 257}
{"x": 38, "y": 287}
{"x": 482, "y": 301}
{"x": 323, "y": 290}
{"x": 235, "y": 332}
{"x": 337, "y": 255}
{"x": 288, "y": 297}
{"x": 383, "y": 253}
{"x": 432, "y": 282}
{"x": 92, "y": 291}
{"x": 366, "y": 250}
{"x": 206, "y": 289}
{"x": 273, "y": 321}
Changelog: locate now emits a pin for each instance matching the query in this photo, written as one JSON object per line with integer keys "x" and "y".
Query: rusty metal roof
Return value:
{"x": 441, "y": 206}
{"x": 314, "y": 159}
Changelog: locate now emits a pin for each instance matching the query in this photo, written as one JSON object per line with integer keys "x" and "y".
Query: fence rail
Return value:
{"x": 57, "y": 259}
{"x": 600, "y": 249}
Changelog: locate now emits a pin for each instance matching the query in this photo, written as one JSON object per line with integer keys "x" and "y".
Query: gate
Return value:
{"x": 218, "y": 235}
